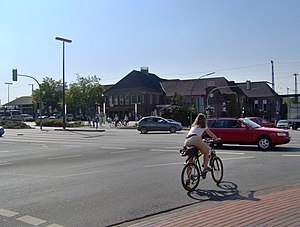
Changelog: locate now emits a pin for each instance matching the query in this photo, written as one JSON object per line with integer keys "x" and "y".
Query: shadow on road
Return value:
{"x": 228, "y": 191}
{"x": 255, "y": 148}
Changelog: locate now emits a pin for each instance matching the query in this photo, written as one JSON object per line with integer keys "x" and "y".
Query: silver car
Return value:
{"x": 155, "y": 123}
{"x": 283, "y": 124}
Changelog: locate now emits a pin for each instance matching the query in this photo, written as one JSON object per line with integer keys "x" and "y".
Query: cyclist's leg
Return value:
{"x": 204, "y": 149}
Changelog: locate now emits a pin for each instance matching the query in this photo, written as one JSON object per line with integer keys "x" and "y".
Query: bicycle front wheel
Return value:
{"x": 190, "y": 177}
{"x": 217, "y": 169}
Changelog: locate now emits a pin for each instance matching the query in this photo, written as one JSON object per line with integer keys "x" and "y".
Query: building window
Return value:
{"x": 255, "y": 104}
{"x": 133, "y": 99}
{"x": 116, "y": 101}
{"x": 141, "y": 99}
{"x": 110, "y": 99}
{"x": 264, "y": 105}
{"x": 121, "y": 99}
{"x": 127, "y": 101}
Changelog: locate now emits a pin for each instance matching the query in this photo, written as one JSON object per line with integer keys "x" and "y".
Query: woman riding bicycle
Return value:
{"x": 194, "y": 138}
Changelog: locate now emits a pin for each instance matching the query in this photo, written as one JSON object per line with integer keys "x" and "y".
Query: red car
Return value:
{"x": 245, "y": 131}
{"x": 262, "y": 122}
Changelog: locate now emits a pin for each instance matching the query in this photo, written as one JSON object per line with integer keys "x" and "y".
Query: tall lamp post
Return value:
{"x": 207, "y": 74}
{"x": 8, "y": 84}
{"x": 63, "y": 40}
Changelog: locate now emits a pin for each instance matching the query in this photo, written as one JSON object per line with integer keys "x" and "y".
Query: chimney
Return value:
{"x": 145, "y": 70}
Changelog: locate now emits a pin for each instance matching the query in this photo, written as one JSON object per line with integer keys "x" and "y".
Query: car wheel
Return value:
{"x": 264, "y": 143}
{"x": 172, "y": 129}
{"x": 144, "y": 130}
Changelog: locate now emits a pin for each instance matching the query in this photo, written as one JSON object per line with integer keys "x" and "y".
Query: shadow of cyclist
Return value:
{"x": 228, "y": 191}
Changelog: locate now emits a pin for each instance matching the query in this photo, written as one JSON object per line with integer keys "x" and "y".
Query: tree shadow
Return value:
{"x": 228, "y": 191}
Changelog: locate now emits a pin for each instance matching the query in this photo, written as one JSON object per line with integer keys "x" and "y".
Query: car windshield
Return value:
{"x": 250, "y": 123}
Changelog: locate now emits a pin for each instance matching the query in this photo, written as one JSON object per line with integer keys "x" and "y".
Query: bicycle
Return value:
{"x": 193, "y": 171}
{"x": 117, "y": 124}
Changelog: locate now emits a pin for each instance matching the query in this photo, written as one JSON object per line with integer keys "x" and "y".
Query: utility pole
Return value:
{"x": 8, "y": 84}
{"x": 296, "y": 84}
{"x": 273, "y": 80}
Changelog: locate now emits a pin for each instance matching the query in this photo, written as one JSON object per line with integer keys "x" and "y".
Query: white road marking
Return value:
{"x": 164, "y": 150}
{"x": 226, "y": 152}
{"x": 290, "y": 155}
{"x": 120, "y": 152}
{"x": 181, "y": 163}
{"x": 114, "y": 148}
{"x": 5, "y": 163}
{"x": 164, "y": 164}
{"x": 63, "y": 157}
{"x": 4, "y": 151}
{"x": 54, "y": 225}
{"x": 31, "y": 220}
{"x": 69, "y": 145}
{"x": 247, "y": 157}
{"x": 80, "y": 174}
{"x": 7, "y": 213}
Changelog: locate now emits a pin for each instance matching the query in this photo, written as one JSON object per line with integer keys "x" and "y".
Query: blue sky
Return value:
{"x": 236, "y": 39}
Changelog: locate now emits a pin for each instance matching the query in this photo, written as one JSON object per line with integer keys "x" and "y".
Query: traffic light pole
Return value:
{"x": 15, "y": 78}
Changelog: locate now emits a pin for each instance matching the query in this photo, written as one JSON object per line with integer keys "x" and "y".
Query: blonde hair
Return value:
{"x": 200, "y": 121}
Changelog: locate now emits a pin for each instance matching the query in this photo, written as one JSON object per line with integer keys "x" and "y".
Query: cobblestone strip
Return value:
{"x": 276, "y": 209}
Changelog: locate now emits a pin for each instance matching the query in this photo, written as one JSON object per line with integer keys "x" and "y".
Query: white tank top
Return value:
{"x": 196, "y": 130}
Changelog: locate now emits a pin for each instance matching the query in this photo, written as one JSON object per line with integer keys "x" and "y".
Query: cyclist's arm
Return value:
{"x": 211, "y": 134}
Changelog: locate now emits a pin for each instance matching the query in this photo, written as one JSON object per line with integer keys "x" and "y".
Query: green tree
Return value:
{"x": 178, "y": 110}
{"x": 233, "y": 107}
{"x": 51, "y": 96}
{"x": 83, "y": 95}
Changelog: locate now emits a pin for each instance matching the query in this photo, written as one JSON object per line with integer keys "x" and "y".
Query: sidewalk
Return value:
{"x": 278, "y": 206}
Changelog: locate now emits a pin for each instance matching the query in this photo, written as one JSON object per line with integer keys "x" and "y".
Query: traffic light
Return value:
{"x": 14, "y": 75}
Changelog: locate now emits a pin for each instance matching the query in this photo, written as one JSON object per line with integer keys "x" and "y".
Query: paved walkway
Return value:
{"x": 273, "y": 207}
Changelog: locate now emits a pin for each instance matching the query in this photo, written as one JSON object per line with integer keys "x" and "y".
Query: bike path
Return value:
{"x": 278, "y": 206}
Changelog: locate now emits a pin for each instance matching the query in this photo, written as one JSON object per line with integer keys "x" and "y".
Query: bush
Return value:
{"x": 14, "y": 125}
{"x": 58, "y": 123}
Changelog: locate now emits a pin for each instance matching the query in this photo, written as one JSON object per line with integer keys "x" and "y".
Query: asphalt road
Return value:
{"x": 63, "y": 178}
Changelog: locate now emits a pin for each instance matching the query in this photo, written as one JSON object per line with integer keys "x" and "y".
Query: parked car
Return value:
{"x": 155, "y": 123}
{"x": 172, "y": 120}
{"x": 1, "y": 131}
{"x": 27, "y": 117}
{"x": 262, "y": 122}
{"x": 70, "y": 117}
{"x": 245, "y": 131}
{"x": 283, "y": 124}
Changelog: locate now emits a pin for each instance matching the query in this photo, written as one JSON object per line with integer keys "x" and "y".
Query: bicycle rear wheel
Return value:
{"x": 190, "y": 177}
{"x": 217, "y": 169}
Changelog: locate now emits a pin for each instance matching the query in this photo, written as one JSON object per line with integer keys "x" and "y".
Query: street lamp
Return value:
{"x": 63, "y": 40}
{"x": 8, "y": 90}
{"x": 207, "y": 74}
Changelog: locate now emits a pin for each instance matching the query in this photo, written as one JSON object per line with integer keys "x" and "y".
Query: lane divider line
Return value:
{"x": 290, "y": 155}
{"x": 114, "y": 148}
{"x": 63, "y": 157}
{"x": 120, "y": 152}
{"x": 225, "y": 159}
{"x": 7, "y": 213}
{"x": 31, "y": 220}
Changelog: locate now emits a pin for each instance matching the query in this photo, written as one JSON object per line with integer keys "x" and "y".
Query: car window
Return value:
{"x": 220, "y": 124}
{"x": 210, "y": 123}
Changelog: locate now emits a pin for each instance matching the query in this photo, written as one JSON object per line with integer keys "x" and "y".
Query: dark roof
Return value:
{"x": 137, "y": 81}
{"x": 195, "y": 86}
{"x": 24, "y": 100}
{"x": 259, "y": 89}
